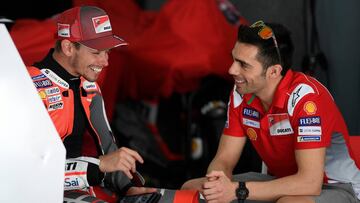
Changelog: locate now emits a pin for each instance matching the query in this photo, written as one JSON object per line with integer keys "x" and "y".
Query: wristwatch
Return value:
{"x": 242, "y": 192}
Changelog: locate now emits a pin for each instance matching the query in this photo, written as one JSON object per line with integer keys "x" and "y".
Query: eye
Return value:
{"x": 96, "y": 53}
{"x": 243, "y": 65}
{"x": 105, "y": 52}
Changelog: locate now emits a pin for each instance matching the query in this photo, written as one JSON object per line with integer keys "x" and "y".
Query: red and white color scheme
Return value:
{"x": 89, "y": 26}
{"x": 101, "y": 24}
{"x": 303, "y": 115}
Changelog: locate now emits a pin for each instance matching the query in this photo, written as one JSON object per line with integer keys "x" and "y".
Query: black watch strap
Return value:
{"x": 242, "y": 192}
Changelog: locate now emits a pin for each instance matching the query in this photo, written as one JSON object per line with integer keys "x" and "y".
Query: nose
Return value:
{"x": 104, "y": 58}
{"x": 234, "y": 69}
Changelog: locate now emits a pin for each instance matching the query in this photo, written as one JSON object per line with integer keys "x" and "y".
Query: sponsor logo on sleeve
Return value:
{"x": 251, "y": 123}
{"x": 309, "y": 138}
{"x": 42, "y": 83}
{"x": 252, "y": 113}
{"x": 309, "y": 130}
{"x": 310, "y": 121}
{"x": 310, "y": 108}
{"x": 279, "y": 124}
{"x": 296, "y": 95}
{"x": 55, "y": 106}
{"x": 251, "y": 133}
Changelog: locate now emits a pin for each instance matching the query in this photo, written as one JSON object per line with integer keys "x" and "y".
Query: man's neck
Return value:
{"x": 58, "y": 57}
{"x": 266, "y": 96}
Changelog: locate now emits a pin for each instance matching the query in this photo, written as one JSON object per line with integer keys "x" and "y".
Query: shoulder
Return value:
{"x": 302, "y": 87}
{"x": 33, "y": 71}
{"x": 38, "y": 77}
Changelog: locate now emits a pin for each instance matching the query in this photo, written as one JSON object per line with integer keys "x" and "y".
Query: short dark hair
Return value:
{"x": 267, "y": 54}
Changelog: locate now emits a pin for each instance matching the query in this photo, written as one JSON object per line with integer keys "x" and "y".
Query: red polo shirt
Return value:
{"x": 303, "y": 115}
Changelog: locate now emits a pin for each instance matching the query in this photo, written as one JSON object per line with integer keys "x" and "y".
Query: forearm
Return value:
{"x": 219, "y": 165}
{"x": 227, "y": 155}
{"x": 290, "y": 185}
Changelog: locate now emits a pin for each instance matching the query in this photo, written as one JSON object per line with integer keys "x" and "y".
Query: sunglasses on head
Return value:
{"x": 265, "y": 32}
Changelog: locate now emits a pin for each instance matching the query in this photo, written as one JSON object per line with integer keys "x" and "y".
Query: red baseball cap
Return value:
{"x": 89, "y": 26}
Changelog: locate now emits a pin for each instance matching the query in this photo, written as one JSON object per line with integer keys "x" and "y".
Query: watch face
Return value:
{"x": 242, "y": 192}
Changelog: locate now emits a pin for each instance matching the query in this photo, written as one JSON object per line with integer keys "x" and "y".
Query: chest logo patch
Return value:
{"x": 55, "y": 106}
{"x": 252, "y": 113}
{"x": 279, "y": 124}
{"x": 55, "y": 98}
{"x": 42, "y": 83}
{"x": 42, "y": 94}
{"x": 52, "y": 91}
{"x": 89, "y": 85}
{"x": 55, "y": 78}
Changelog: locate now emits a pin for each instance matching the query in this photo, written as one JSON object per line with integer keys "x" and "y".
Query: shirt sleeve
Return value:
{"x": 312, "y": 122}
{"x": 233, "y": 125}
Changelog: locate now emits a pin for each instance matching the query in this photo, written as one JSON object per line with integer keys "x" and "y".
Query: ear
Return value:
{"x": 67, "y": 47}
{"x": 274, "y": 71}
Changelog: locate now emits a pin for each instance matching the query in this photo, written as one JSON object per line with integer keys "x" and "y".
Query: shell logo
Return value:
{"x": 310, "y": 108}
{"x": 251, "y": 133}
{"x": 42, "y": 94}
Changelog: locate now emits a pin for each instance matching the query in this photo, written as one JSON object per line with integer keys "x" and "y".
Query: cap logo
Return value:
{"x": 101, "y": 24}
{"x": 63, "y": 30}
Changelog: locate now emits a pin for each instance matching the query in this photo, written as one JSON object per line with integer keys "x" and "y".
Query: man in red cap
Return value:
{"x": 66, "y": 82}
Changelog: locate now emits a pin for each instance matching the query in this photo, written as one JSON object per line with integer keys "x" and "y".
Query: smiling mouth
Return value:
{"x": 239, "y": 81}
{"x": 96, "y": 69}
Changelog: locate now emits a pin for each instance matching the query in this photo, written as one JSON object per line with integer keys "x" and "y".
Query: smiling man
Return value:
{"x": 293, "y": 123}
{"x": 66, "y": 82}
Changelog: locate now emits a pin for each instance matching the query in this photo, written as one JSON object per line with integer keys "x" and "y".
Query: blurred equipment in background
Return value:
{"x": 231, "y": 13}
{"x": 314, "y": 62}
{"x": 7, "y": 22}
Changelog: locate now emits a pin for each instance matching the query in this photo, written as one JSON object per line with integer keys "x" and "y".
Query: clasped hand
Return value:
{"x": 218, "y": 188}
